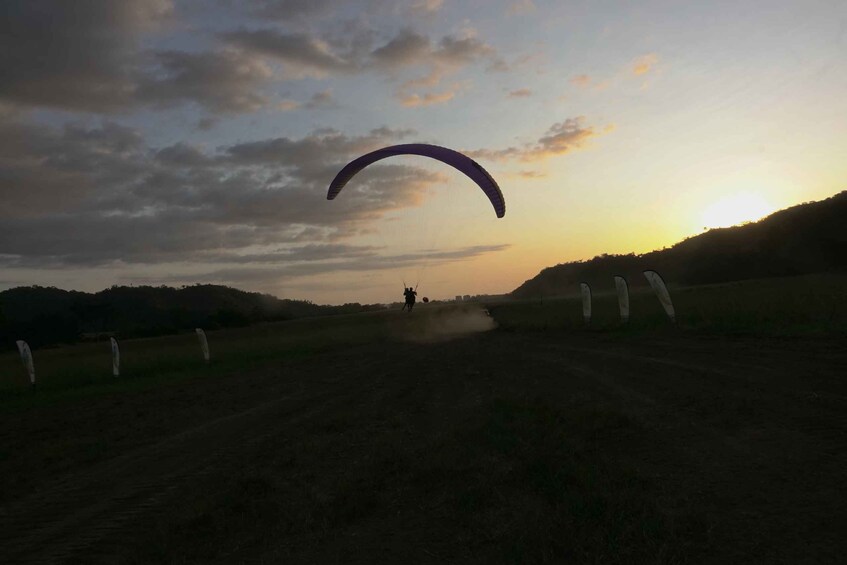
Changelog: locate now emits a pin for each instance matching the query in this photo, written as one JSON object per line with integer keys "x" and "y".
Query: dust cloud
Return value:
{"x": 441, "y": 323}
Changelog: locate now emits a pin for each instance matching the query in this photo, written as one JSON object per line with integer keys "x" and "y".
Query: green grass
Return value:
{"x": 522, "y": 481}
{"x": 807, "y": 305}
{"x": 499, "y": 448}
{"x": 83, "y": 369}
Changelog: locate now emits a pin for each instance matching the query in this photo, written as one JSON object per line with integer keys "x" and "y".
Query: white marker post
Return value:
{"x": 586, "y": 302}
{"x": 204, "y": 343}
{"x": 623, "y": 297}
{"x": 660, "y": 288}
{"x": 116, "y": 358}
{"x": 26, "y": 357}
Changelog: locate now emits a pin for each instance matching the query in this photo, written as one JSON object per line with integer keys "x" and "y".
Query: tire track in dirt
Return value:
{"x": 775, "y": 387}
{"x": 772, "y": 379}
{"x": 757, "y": 438}
{"x": 79, "y": 513}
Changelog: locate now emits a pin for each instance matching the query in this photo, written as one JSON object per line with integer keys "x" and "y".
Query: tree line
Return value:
{"x": 47, "y": 315}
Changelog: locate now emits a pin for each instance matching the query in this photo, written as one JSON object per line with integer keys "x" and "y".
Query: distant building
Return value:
{"x": 467, "y": 298}
{"x": 458, "y": 298}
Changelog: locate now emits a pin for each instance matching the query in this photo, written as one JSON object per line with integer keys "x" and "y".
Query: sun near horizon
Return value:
{"x": 736, "y": 209}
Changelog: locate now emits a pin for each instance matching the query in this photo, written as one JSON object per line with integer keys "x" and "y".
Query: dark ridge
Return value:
{"x": 804, "y": 239}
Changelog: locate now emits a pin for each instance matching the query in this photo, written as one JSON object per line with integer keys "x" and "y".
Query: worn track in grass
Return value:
{"x": 754, "y": 429}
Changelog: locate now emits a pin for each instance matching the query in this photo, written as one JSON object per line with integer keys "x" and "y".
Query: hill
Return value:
{"x": 804, "y": 239}
{"x": 45, "y": 316}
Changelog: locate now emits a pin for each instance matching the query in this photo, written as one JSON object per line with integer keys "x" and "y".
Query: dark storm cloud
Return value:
{"x": 74, "y": 55}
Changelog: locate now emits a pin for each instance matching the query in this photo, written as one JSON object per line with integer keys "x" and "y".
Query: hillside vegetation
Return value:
{"x": 45, "y": 316}
{"x": 805, "y": 239}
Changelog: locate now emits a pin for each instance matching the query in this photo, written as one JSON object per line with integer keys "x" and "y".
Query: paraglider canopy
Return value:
{"x": 462, "y": 163}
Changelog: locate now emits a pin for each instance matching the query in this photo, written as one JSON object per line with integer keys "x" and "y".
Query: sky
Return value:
{"x": 166, "y": 142}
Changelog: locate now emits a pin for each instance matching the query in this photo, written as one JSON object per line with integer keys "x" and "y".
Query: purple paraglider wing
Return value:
{"x": 462, "y": 163}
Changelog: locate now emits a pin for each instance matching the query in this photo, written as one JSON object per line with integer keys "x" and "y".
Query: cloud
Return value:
{"x": 426, "y": 7}
{"x": 98, "y": 195}
{"x": 101, "y": 57}
{"x": 246, "y": 212}
{"x": 79, "y": 56}
{"x": 431, "y": 79}
{"x": 346, "y": 257}
{"x": 561, "y": 138}
{"x": 286, "y": 10}
{"x": 462, "y": 50}
{"x": 320, "y": 260}
{"x": 582, "y": 81}
{"x": 287, "y": 105}
{"x": 531, "y": 174}
{"x": 589, "y": 83}
{"x": 302, "y": 53}
{"x": 90, "y": 57}
{"x": 644, "y": 64}
{"x": 521, "y": 7}
{"x": 319, "y": 57}
{"x": 182, "y": 155}
{"x": 301, "y": 253}
{"x": 49, "y": 170}
{"x": 322, "y": 146}
{"x": 406, "y": 48}
{"x": 323, "y": 99}
{"x": 520, "y": 93}
{"x": 448, "y": 57}
{"x": 427, "y": 99}
{"x": 223, "y": 81}
{"x": 207, "y": 123}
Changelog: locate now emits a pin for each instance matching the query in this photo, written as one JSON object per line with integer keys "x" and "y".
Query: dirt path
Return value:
{"x": 751, "y": 433}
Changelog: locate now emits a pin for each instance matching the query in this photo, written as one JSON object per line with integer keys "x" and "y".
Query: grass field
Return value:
{"x": 807, "y": 305}
{"x": 436, "y": 437}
